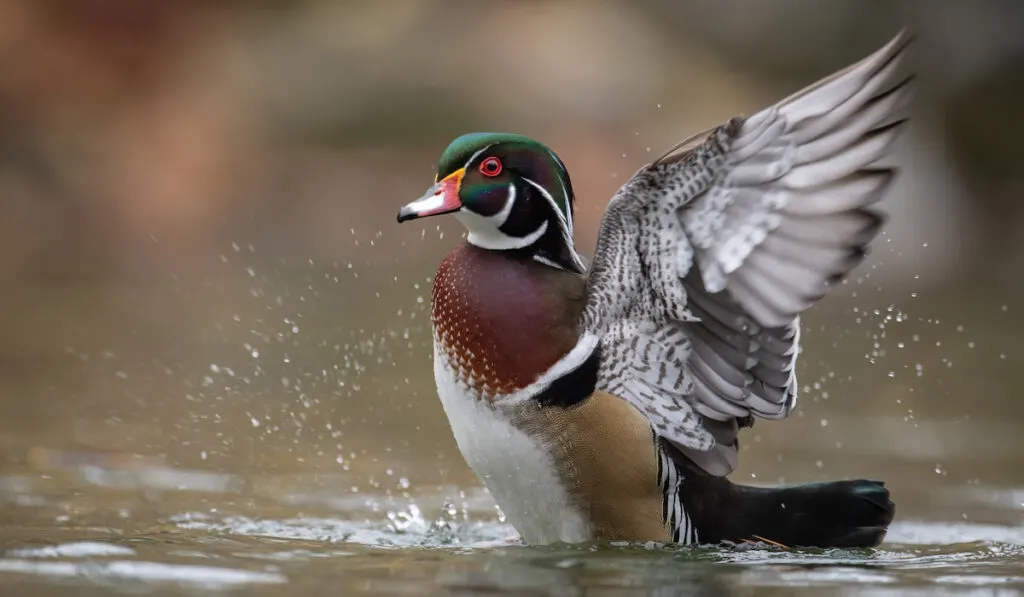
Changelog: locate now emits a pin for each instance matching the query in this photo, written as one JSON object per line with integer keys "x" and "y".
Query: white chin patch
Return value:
{"x": 485, "y": 231}
{"x": 484, "y": 234}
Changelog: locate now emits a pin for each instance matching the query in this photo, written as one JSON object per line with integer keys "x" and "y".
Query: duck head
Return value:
{"x": 510, "y": 192}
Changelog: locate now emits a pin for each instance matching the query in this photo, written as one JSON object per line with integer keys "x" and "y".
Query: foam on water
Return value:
{"x": 144, "y": 572}
{"x": 459, "y": 550}
{"x": 80, "y": 549}
{"x": 451, "y": 539}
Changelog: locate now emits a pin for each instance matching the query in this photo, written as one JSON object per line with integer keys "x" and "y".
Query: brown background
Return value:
{"x": 200, "y": 267}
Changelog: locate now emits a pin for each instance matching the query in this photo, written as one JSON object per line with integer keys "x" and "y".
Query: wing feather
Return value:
{"x": 707, "y": 257}
{"x": 860, "y": 189}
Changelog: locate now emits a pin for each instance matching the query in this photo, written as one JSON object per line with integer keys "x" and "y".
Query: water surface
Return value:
{"x": 102, "y": 529}
{"x": 289, "y": 441}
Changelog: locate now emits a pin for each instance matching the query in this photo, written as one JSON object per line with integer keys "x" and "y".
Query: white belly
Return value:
{"x": 517, "y": 471}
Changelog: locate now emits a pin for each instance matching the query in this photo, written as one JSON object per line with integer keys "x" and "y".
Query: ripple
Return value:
{"x": 414, "y": 532}
{"x": 79, "y": 549}
{"x": 148, "y": 572}
{"x": 396, "y": 550}
{"x": 930, "y": 533}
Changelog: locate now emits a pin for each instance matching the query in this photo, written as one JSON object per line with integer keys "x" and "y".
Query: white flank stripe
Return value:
{"x": 575, "y": 357}
{"x": 548, "y": 262}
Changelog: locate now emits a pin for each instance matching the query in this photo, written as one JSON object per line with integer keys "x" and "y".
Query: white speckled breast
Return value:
{"x": 517, "y": 470}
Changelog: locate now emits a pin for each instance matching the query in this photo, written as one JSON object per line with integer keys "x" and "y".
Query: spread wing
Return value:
{"x": 707, "y": 257}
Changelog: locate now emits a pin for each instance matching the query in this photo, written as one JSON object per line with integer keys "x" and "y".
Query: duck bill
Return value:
{"x": 442, "y": 198}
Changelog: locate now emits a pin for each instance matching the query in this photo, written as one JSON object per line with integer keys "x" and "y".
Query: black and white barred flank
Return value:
{"x": 673, "y": 512}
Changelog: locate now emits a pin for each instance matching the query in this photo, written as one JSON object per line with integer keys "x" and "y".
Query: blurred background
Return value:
{"x": 204, "y": 291}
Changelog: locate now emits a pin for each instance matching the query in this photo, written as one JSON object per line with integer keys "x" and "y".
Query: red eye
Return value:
{"x": 490, "y": 167}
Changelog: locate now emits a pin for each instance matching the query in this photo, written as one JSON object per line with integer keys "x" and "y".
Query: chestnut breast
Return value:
{"x": 503, "y": 321}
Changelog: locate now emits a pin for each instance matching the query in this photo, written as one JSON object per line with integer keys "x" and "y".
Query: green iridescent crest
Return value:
{"x": 547, "y": 170}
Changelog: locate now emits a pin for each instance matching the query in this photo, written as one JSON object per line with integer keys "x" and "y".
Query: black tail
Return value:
{"x": 836, "y": 514}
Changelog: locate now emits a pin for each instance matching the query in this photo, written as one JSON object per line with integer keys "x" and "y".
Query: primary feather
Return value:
{"x": 707, "y": 257}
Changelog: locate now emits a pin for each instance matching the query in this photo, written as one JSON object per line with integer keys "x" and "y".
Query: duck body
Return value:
{"x": 479, "y": 353}
{"x": 605, "y": 403}
{"x": 503, "y": 321}
{"x": 578, "y": 466}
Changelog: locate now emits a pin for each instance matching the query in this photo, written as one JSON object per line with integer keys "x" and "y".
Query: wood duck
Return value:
{"x": 605, "y": 403}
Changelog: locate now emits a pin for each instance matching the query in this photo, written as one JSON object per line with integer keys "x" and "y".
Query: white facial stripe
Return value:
{"x": 566, "y": 225}
{"x": 476, "y": 155}
{"x": 502, "y": 216}
{"x": 568, "y": 214}
{"x": 565, "y": 192}
{"x": 554, "y": 206}
{"x": 577, "y": 260}
{"x": 484, "y": 230}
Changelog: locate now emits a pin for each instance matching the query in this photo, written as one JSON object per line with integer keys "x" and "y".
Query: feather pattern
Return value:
{"x": 673, "y": 511}
{"x": 707, "y": 257}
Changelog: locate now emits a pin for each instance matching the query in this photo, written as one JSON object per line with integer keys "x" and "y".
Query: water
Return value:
{"x": 102, "y": 529}
{"x": 281, "y": 442}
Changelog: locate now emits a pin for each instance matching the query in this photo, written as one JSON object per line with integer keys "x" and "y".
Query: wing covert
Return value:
{"x": 707, "y": 257}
